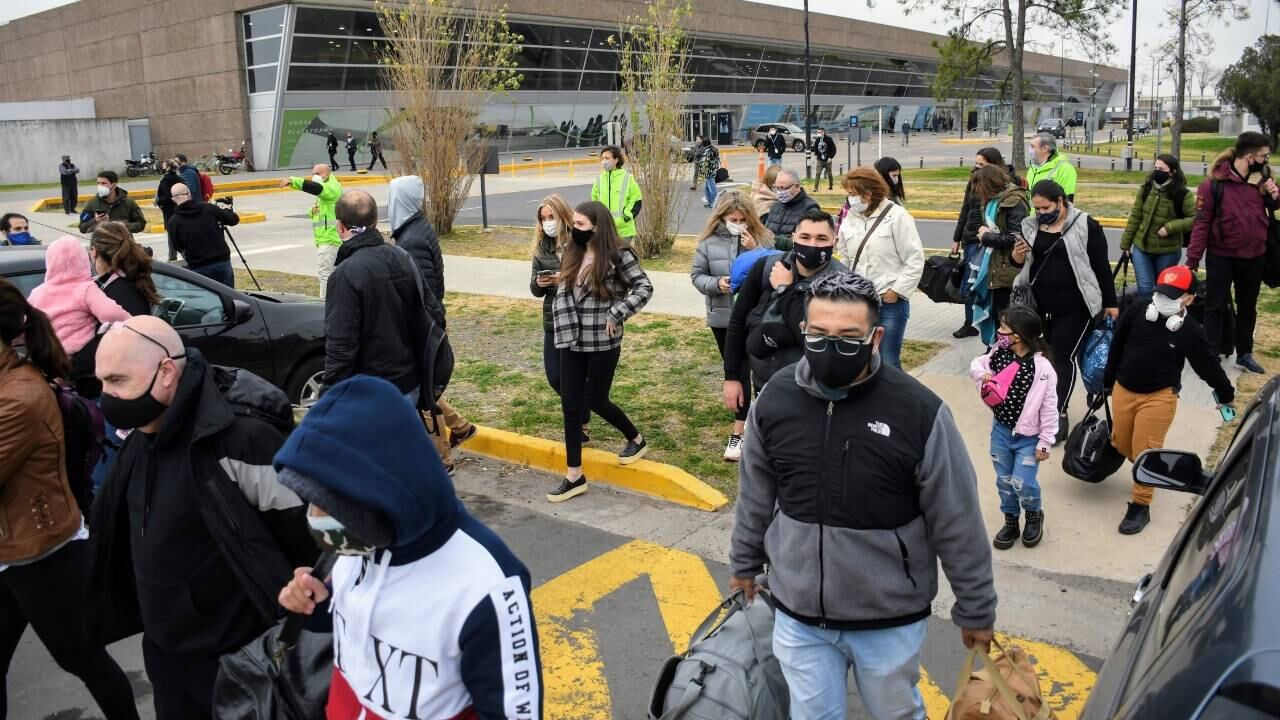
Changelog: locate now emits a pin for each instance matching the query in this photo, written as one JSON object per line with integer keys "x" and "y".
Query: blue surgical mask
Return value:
{"x": 22, "y": 238}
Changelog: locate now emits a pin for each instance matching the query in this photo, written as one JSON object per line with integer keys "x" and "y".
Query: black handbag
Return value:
{"x": 1089, "y": 454}
{"x": 941, "y": 279}
{"x": 1126, "y": 295}
{"x": 282, "y": 674}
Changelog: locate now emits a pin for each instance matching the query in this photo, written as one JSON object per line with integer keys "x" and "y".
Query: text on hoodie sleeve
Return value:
{"x": 500, "y": 663}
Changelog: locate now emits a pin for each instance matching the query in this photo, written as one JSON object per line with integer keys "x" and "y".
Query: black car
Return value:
{"x": 1203, "y": 640}
{"x": 275, "y": 335}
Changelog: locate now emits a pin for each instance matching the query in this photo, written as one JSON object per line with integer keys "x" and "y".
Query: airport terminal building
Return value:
{"x": 196, "y": 76}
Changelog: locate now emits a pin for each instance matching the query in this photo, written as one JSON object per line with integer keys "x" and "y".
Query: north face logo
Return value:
{"x": 878, "y": 428}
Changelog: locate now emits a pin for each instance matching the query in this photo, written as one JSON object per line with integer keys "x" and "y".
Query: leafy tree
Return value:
{"x": 1192, "y": 21}
{"x": 999, "y": 29}
{"x": 1253, "y": 84}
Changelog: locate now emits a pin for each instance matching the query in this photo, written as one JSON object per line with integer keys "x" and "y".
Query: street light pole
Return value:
{"x": 1133, "y": 81}
{"x": 808, "y": 113}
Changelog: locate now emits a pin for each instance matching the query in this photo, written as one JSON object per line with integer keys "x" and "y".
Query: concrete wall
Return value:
{"x": 36, "y": 147}
{"x": 80, "y": 108}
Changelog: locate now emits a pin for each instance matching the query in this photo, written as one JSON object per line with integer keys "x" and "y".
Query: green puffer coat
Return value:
{"x": 1147, "y": 217}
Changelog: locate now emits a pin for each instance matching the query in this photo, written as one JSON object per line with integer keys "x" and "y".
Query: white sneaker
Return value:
{"x": 733, "y": 451}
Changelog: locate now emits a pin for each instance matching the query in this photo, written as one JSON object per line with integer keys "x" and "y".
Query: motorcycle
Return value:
{"x": 144, "y": 165}
{"x": 234, "y": 160}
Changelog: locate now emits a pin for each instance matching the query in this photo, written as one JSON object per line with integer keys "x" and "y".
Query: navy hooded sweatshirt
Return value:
{"x": 438, "y": 625}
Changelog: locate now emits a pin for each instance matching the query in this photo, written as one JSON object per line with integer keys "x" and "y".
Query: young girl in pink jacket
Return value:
{"x": 74, "y": 303}
{"x": 1016, "y": 379}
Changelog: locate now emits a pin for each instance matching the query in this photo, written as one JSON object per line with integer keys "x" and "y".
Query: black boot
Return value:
{"x": 1034, "y": 532}
{"x": 1008, "y": 534}
{"x": 1063, "y": 429}
{"x": 1135, "y": 518}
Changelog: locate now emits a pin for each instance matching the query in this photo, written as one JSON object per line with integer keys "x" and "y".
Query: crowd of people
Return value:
{"x": 210, "y": 508}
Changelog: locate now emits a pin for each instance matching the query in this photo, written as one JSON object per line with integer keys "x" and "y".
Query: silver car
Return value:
{"x": 793, "y": 134}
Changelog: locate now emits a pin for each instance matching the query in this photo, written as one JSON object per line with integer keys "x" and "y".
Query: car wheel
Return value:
{"x": 304, "y": 384}
{"x": 798, "y": 146}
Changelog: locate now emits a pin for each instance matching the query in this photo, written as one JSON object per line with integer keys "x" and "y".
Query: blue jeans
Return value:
{"x": 1014, "y": 457}
{"x": 1147, "y": 267}
{"x": 709, "y": 190}
{"x": 886, "y": 667}
{"x": 893, "y": 318}
{"x": 774, "y": 161}
{"x": 219, "y": 271}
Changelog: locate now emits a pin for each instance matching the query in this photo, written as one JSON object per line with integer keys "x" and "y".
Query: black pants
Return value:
{"x": 585, "y": 381}
{"x": 69, "y": 199}
{"x": 173, "y": 252}
{"x": 182, "y": 685}
{"x": 351, "y": 158}
{"x": 49, "y": 596}
{"x": 823, "y": 166}
{"x": 1246, "y": 276}
{"x": 376, "y": 158}
{"x": 551, "y": 365}
{"x": 1065, "y": 333}
{"x": 999, "y": 302}
{"x": 744, "y": 377}
{"x": 333, "y": 159}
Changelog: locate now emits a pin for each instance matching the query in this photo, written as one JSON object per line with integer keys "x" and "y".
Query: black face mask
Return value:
{"x": 1159, "y": 177}
{"x": 582, "y": 237}
{"x": 1048, "y": 218}
{"x": 135, "y": 412}
{"x": 1256, "y": 167}
{"x": 834, "y": 370}
{"x": 811, "y": 256}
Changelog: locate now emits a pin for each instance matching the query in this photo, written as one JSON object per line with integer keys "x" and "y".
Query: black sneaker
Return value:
{"x": 1008, "y": 534}
{"x": 965, "y": 332}
{"x": 1245, "y": 361}
{"x": 567, "y": 489}
{"x": 457, "y": 438}
{"x": 1135, "y": 518}
{"x": 633, "y": 452}
{"x": 1064, "y": 428}
{"x": 1034, "y": 532}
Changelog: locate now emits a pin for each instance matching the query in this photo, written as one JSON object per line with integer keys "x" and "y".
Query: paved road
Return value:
{"x": 612, "y": 604}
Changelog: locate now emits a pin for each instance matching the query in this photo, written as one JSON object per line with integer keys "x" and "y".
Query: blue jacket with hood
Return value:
{"x": 439, "y": 624}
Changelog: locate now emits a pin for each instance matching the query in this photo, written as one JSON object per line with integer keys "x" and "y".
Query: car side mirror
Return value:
{"x": 1171, "y": 470}
{"x": 241, "y": 311}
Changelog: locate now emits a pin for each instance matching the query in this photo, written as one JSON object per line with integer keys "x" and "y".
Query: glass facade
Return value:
{"x": 337, "y": 51}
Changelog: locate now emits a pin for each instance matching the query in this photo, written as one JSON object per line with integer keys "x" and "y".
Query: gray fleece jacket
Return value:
{"x": 852, "y": 497}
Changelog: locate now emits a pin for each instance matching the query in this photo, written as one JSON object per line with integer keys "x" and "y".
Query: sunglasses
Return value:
{"x": 847, "y": 346}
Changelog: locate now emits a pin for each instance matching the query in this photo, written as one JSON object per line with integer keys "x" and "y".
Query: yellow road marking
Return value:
{"x": 572, "y": 670}
{"x": 1065, "y": 681}
{"x": 936, "y": 702}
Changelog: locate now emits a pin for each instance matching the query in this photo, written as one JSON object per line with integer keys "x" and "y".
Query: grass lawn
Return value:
{"x": 513, "y": 243}
{"x": 1193, "y": 145}
{"x": 669, "y": 381}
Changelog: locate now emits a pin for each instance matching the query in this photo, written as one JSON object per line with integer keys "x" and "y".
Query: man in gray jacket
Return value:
{"x": 854, "y": 482}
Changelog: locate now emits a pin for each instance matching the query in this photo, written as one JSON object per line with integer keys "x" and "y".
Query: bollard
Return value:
{"x": 1201, "y": 157}
{"x": 962, "y": 162}
{"x": 841, "y": 166}
{"x": 921, "y": 162}
{"x": 1078, "y": 165}
{"x": 1141, "y": 162}
{"x": 1113, "y": 163}
{"x": 1204, "y": 168}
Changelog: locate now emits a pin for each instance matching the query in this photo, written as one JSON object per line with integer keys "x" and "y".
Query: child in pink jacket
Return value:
{"x": 74, "y": 303}
{"x": 1026, "y": 419}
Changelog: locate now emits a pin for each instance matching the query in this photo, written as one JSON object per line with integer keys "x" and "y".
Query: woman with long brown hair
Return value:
{"x": 123, "y": 268}
{"x": 733, "y": 228}
{"x": 997, "y": 206}
{"x": 550, "y": 235}
{"x": 601, "y": 287}
{"x": 43, "y": 556}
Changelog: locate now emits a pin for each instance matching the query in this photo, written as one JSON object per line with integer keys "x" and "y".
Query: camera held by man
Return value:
{"x": 198, "y": 233}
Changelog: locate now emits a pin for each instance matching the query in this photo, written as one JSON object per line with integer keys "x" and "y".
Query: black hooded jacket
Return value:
{"x": 197, "y": 232}
{"x": 193, "y": 535}
{"x": 419, "y": 239}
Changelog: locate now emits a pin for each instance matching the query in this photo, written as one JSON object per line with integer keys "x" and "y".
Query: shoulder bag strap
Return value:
{"x": 1054, "y": 246}
{"x": 865, "y": 238}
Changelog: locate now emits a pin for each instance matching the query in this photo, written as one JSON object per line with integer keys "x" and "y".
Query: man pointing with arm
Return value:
{"x": 324, "y": 185}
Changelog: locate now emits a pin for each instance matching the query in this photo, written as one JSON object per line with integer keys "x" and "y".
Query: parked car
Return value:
{"x": 1056, "y": 126}
{"x": 276, "y": 335}
{"x": 1202, "y": 640}
{"x": 794, "y": 135}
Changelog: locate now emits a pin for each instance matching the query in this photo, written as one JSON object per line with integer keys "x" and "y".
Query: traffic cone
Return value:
{"x": 760, "y": 166}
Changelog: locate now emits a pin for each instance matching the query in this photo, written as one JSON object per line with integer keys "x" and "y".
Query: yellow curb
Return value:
{"x": 970, "y": 141}
{"x": 245, "y": 217}
{"x": 665, "y": 482}
{"x": 1106, "y": 222}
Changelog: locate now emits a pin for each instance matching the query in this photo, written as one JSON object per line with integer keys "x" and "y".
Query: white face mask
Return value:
{"x": 104, "y": 190}
{"x": 856, "y": 205}
{"x": 735, "y": 229}
{"x": 1166, "y": 306}
{"x": 550, "y": 227}
{"x": 607, "y": 165}
{"x": 317, "y": 179}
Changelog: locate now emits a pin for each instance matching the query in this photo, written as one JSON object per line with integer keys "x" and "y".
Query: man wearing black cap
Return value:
{"x": 1152, "y": 341}
{"x": 430, "y": 609}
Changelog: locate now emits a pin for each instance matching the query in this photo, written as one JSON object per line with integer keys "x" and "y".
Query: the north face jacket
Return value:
{"x": 440, "y": 624}
{"x": 853, "y": 497}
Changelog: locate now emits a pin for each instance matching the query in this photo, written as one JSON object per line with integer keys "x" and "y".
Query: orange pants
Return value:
{"x": 450, "y": 418}
{"x": 1140, "y": 422}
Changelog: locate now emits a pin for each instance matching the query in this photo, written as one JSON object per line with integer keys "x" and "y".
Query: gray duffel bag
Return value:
{"x": 729, "y": 671}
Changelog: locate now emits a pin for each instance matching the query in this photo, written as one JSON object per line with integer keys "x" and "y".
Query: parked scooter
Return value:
{"x": 144, "y": 165}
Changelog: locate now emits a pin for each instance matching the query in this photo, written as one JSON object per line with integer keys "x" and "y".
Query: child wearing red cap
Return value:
{"x": 1153, "y": 340}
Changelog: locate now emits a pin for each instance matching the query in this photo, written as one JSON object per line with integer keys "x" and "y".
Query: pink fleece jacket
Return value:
{"x": 1039, "y": 415}
{"x": 74, "y": 303}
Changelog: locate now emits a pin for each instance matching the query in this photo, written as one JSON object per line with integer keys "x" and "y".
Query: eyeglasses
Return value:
{"x": 847, "y": 346}
{"x": 179, "y": 194}
{"x": 1263, "y": 158}
{"x": 144, "y": 336}
{"x": 780, "y": 188}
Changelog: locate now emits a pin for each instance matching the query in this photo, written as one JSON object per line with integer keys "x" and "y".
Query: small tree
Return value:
{"x": 961, "y": 62}
{"x": 999, "y": 27}
{"x": 1206, "y": 77}
{"x": 1252, "y": 84}
{"x": 442, "y": 65}
{"x": 653, "y": 56}
{"x": 1190, "y": 18}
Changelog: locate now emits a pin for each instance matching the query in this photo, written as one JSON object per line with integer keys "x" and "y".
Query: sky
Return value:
{"x": 1231, "y": 37}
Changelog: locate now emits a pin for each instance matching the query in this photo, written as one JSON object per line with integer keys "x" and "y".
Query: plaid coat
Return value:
{"x": 580, "y": 324}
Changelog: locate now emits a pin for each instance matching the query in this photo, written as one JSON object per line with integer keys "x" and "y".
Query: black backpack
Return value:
{"x": 1089, "y": 454}
{"x": 83, "y": 437}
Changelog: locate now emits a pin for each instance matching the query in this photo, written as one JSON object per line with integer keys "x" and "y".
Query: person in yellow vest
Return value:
{"x": 619, "y": 192}
{"x": 324, "y": 185}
